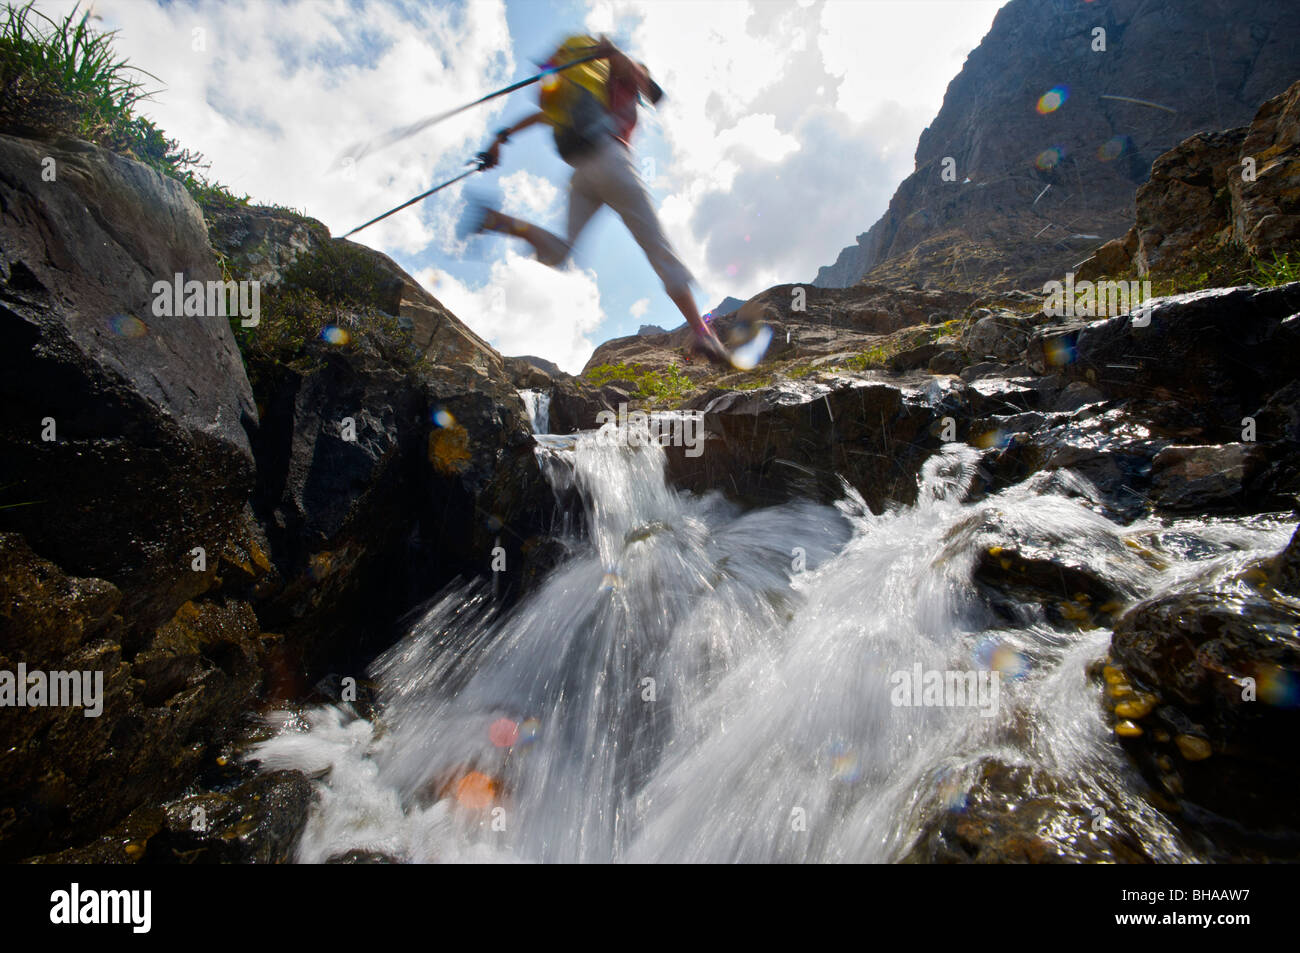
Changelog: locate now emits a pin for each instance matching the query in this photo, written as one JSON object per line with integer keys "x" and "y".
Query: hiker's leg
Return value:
{"x": 550, "y": 249}
{"x": 624, "y": 191}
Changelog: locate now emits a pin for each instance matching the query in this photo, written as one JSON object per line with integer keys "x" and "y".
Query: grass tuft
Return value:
{"x": 63, "y": 77}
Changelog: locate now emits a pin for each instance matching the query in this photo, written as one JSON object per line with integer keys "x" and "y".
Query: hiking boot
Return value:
{"x": 711, "y": 349}
{"x": 476, "y": 218}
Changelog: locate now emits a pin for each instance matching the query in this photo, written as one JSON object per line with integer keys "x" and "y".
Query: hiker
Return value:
{"x": 591, "y": 109}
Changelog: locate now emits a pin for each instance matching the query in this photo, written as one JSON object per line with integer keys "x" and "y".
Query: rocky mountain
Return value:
{"x": 726, "y": 306}
{"x": 1043, "y": 135}
{"x": 1236, "y": 191}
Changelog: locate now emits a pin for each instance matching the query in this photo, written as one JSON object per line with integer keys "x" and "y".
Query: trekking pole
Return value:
{"x": 479, "y": 162}
{"x": 395, "y": 135}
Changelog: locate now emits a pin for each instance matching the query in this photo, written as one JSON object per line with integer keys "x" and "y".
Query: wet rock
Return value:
{"x": 166, "y": 698}
{"x": 1014, "y": 814}
{"x": 1215, "y": 355}
{"x": 378, "y": 483}
{"x": 1076, "y": 395}
{"x": 575, "y": 404}
{"x": 357, "y": 856}
{"x": 1203, "y": 478}
{"x": 129, "y": 398}
{"x": 1222, "y": 659}
{"x": 258, "y": 822}
{"x": 796, "y": 439}
{"x": 1077, "y": 581}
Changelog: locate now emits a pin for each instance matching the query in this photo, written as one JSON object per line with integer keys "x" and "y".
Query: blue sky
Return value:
{"x": 786, "y": 128}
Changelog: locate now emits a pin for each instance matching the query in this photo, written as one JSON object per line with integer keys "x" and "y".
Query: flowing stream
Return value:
{"x": 697, "y": 682}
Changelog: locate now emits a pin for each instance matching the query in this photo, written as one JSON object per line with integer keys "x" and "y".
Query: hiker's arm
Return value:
{"x": 493, "y": 153}
{"x": 503, "y": 135}
{"x": 622, "y": 66}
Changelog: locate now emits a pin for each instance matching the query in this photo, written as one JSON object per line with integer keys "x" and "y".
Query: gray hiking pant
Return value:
{"x": 607, "y": 176}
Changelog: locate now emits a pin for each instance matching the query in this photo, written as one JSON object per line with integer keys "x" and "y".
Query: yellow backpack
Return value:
{"x": 576, "y": 100}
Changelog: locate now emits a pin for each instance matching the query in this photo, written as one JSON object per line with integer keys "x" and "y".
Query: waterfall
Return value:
{"x": 538, "y": 405}
{"x": 703, "y": 683}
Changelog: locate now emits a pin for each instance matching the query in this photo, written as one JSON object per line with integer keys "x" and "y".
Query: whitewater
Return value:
{"x": 698, "y": 682}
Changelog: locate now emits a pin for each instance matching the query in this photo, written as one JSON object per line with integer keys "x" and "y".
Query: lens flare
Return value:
{"x": 128, "y": 326}
{"x": 335, "y": 335}
{"x": 476, "y": 791}
{"x": 503, "y": 733}
{"x": 1060, "y": 352}
{"x": 993, "y": 438}
{"x": 443, "y": 418}
{"x": 529, "y": 729}
{"x": 997, "y": 656}
{"x": 951, "y": 790}
{"x": 1113, "y": 148}
{"x": 1050, "y": 158}
{"x": 1053, "y": 99}
{"x": 1278, "y": 687}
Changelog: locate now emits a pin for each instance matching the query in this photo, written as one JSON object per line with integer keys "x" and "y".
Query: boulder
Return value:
{"x": 1204, "y": 478}
{"x": 1216, "y": 355}
{"x": 797, "y": 439}
{"x": 1214, "y": 671}
{"x": 123, "y": 433}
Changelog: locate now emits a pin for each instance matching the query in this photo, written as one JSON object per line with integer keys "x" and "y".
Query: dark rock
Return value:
{"x": 946, "y": 361}
{"x": 153, "y": 404}
{"x": 1218, "y": 353}
{"x": 533, "y": 373}
{"x": 916, "y": 357}
{"x": 999, "y": 337}
{"x": 1204, "y": 478}
{"x": 1014, "y": 814}
{"x": 796, "y": 439}
{"x": 1220, "y": 660}
{"x": 440, "y": 470}
{"x": 166, "y": 698}
{"x": 575, "y": 404}
{"x": 258, "y": 822}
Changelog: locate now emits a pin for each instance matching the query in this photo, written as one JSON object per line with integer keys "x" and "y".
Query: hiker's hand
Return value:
{"x": 604, "y": 47}
{"x": 491, "y": 155}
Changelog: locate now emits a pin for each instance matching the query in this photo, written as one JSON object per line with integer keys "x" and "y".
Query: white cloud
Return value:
{"x": 789, "y": 126}
{"x": 528, "y": 196}
{"x": 639, "y": 307}
{"x": 280, "y": 90}
{"x": 527, "y": 308}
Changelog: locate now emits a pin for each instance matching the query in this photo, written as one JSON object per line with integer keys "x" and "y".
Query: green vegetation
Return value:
{"x": 1223, "y": 267}
{"x": 1284, "y": 268}
{"x": 62, "y": 77}
{"x": 658, "y": 387}
{"x": 337, "y": 286}
{"x": 880, "y": 354}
